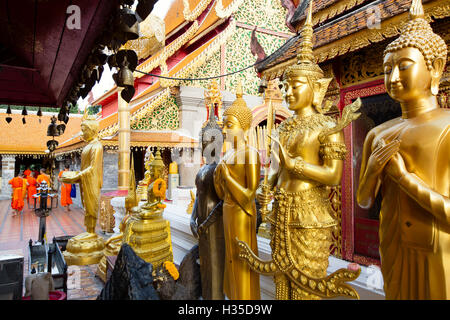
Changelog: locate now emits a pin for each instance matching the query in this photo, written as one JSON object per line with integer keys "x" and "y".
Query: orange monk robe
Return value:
{"x": 17, "y": 199}
{"x": 24, "y": 189}
{"x": 65, "y": 192}
{"x": 31, "y": 187}
{"x": 43, "y": 177}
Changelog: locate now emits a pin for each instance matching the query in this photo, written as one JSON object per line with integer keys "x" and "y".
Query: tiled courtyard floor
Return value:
{"x": 16, "y": 231}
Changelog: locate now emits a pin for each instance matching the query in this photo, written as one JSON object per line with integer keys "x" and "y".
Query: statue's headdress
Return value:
{"x": 157, "y": 161}
{"x": 307, "y": 66}
{"x": 240, "y": 110}
{"x": 91, "y": 120}
{"x": 305, "y": 57}
{"x": 417, "y": 33}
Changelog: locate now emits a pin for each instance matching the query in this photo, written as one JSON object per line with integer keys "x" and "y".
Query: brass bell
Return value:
{"x": 126, "y": 25}
{"x": 51, "y": 145}
{"x": 125, "y": 77}
{"x": 52, "y": 130}
{"x": 61, "y": 128}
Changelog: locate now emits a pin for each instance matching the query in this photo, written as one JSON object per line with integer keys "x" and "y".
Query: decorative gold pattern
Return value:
{"x": 196, "y": 12}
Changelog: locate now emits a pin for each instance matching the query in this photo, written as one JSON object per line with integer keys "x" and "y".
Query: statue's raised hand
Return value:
{"x": 381, "y": 156}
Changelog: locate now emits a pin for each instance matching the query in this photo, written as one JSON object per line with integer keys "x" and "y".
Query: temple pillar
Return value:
{"x": 8, "y": 167}
{"x": 110, "y": 180}
{"x": 124, "y": 142}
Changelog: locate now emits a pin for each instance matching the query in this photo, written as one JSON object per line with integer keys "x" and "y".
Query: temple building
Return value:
{"x": 27, "y": 148}
{"x": 202, "y": 39}
{"x": 349, "y": 39}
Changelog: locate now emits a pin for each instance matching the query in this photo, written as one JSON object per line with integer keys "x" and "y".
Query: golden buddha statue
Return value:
{"x": 143, "y": 184}
{"x": 311, "y": 154}
{"x": 236, "y": 179}
{"x": 145, "y": 230}
{"x": 86, "y": 248}
{"x": 408, "y": 159}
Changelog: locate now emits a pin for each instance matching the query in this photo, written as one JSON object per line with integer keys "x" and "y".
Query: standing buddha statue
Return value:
{"x": 236, "y": 179}
{"x": 311, "y": 155}
{"x": 206, "y": 219}
{"x": 87, "y": 248}
{"x": 408, "y": 160}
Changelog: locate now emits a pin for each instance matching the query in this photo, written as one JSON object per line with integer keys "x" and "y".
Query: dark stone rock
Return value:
{"x": 131, "y": 278}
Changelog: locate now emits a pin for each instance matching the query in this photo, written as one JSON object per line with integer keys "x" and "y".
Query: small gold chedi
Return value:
{"x": 312, "y": 152}
{"x": 407, "y": 160}
{"x": 87, "y": 248}
{"x": 146, "y": 231}
{"x": 113, "y": 244}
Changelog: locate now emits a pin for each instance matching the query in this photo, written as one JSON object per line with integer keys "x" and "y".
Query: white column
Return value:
{"x": 8, "y": 167}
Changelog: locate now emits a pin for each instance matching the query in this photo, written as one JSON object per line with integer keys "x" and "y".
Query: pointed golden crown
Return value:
{"x": 305, "y": 58}
{"x": 240, "y": 110}
{"x": 157, "y": 161}
{"x": 417, "y": 33}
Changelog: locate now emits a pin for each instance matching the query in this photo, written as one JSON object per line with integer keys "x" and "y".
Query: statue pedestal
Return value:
{"x": 148, "y": 233}
{"x": 83, "y": 249}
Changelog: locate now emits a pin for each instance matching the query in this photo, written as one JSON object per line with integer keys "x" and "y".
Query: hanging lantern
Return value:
{"x": 8, "y": 111}
{"x": 24, "y": 111}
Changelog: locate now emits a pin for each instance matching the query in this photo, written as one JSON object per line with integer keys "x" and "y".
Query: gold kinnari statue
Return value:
{"x": 87, "y": 248}
{"x": 145, "y": 229}
{"x": 236, "y": 179}
{"x": 408, "y": 159}
{"x": 143, "y": 184}
{"x": 311, "y": 157}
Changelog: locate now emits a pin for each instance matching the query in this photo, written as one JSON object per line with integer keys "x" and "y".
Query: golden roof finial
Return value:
{"x": 417, "y": 33}
{"x": 131, "y": 199}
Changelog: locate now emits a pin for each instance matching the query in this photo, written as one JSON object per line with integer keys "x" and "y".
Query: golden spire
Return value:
{"x": 417, "y": 33}
{"x": 239, "y": 92}
{"x": 131, "y": 199}
{"x": 305, "y": 52}
{"x": 416, "y": 10}
{"x": 306, "y": 64}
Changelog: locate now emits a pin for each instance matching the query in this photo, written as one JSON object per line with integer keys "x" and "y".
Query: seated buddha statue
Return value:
{"x": 145, "y": 230}
{"x": 141, "y": 190}
{"x": 407, "y": 159}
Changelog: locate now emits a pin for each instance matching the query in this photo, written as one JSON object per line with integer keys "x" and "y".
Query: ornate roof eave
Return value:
{"x": 14, "y": 152}
{"x": 388, "y": 28}
{"x": 326, "y": 12}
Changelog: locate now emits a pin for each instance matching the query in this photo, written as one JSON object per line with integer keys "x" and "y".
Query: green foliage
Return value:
{"x": 93, "y": 110}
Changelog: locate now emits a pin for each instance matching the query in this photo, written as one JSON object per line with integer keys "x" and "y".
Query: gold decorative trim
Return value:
{"x": 196, "y": 12}
{"x": 389, "y": 28}
{"x": 229, "y": 10}
{"x": 168, "y": 51}
{"x": 202, "y": 57}
{"x": 23, "y": 152}
{"x": 334, "y": 10}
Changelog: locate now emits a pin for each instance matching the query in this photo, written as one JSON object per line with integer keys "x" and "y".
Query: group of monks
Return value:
{"x": 25, "y": 185}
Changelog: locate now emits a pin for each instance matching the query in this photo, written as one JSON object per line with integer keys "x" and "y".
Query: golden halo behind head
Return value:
{"x": 240, "y": 110}
{"x": 417, "y": 33}
{"x": 306, "y": 65}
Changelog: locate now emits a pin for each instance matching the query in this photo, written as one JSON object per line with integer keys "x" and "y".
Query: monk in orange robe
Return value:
{"x": 31, "y": 187}
{"x": 24, "y": 187}
{"x": 66, "y": 200}
{"x": 17, "y": 197}
{"x": 27, "y": 172}
{"x": 43, "y": 177}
